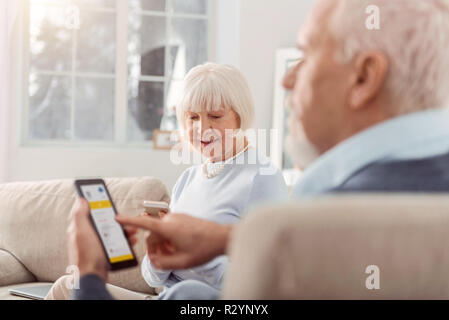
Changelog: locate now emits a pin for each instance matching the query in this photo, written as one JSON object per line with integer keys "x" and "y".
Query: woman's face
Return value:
{"x": 211, "y": 132}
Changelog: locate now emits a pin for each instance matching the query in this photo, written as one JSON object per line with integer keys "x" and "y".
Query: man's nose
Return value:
{"x": 290, "y": 78}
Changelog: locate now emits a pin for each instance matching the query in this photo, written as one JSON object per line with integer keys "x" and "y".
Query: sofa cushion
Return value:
{"x": 12, "y": 271}
{"x": 34, "y": 217}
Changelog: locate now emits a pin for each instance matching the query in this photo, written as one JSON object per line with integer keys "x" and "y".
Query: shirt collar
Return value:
{"x": 379, "y": 142}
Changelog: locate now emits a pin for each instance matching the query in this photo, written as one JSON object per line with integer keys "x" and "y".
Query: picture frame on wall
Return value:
{"x": 165, "y": 140}
{"x": 286, "y": 58}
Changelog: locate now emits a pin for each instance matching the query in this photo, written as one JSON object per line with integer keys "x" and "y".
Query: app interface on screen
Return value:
{"x": 110, "y": 230}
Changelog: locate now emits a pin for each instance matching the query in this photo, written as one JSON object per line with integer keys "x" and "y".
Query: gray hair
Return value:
{"x": 211, "y": 86}
{"x": 414, "y": 34}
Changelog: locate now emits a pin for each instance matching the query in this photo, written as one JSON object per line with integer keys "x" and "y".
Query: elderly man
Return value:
{"x": 367, "y": 115}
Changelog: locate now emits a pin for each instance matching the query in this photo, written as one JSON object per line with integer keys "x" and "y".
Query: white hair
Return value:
{"x": 212, "y": 86}
{"x": 414, "y": 35}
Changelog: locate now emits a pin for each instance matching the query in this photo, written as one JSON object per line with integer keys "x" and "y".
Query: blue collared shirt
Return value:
{"x": 414, "y": 136}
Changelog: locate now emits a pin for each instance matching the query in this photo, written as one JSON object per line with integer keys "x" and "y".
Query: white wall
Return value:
{"x": 266, "y": 25}
{"x": 248, "y": 32}
{"x": 52, "y": 163}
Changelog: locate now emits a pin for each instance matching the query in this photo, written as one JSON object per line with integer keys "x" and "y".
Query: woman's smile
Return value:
{"x": 208, "y": 142}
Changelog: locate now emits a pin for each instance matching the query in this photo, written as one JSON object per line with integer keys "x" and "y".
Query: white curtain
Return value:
{"x": 8, "y": 14}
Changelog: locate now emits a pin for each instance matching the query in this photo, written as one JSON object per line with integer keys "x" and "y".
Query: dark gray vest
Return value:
{"x": 425, "y": 175}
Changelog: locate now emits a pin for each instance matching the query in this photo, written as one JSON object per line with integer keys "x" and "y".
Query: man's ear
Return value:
{"x": 370, "y": 72}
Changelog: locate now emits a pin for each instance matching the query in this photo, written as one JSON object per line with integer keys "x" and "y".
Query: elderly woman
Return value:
{"x": 215, "y": 110}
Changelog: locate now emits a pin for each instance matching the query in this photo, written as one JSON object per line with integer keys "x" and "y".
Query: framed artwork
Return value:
{"x": 165, "y": 140}
{"x": 286, "y": 58}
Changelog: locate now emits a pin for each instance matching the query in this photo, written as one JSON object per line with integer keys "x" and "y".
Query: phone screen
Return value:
{"x": 103, "y": 216}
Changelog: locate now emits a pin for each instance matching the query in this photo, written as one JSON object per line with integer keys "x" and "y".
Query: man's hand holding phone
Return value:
{"x": 84, "y": 246}
{"x": 112, "y": 236}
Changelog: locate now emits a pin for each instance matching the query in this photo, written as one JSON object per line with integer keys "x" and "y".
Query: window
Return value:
{"x": 108, "y": 71}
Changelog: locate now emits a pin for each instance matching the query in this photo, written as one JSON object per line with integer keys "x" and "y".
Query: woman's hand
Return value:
{"x": 162, "y": 213}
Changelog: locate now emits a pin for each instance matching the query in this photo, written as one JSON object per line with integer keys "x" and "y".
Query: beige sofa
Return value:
{"x": 316, "y": 249}
{"x": 33, "y": 221}
{"x": 321, "y": 248}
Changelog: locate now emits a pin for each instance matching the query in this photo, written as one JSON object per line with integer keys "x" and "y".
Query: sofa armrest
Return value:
{"x": 12, "y": 271}
{"x": 345, "y": 247}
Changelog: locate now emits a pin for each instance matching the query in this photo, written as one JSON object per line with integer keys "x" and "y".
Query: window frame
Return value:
{"x": 120, "y": 76}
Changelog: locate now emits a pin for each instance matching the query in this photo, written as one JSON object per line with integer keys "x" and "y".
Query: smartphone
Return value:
{"x": 153, "y": 207}
{"x": 113, "y": 237}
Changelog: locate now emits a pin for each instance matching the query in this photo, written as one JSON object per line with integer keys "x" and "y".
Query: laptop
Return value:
{"x": 38, "y": 292}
